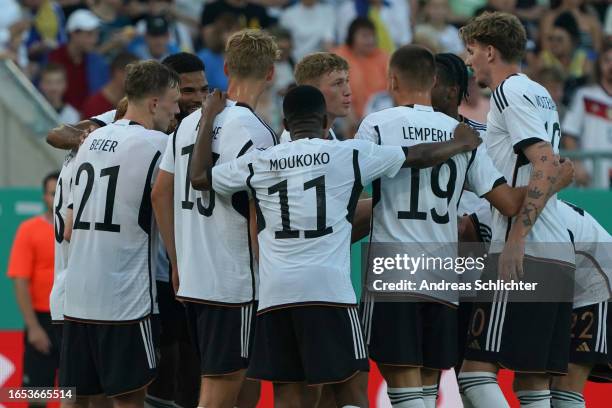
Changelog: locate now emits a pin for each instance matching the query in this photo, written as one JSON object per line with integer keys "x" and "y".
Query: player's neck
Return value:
{"x": 245, "y": 91}
{"x": 135, "y": 114}
{"x": 412, "y": 98}
{"x": 331, "y": 118}
{"x": 501, "y": 72}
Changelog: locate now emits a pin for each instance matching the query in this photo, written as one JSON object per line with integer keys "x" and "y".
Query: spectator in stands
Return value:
{"x": 31, "y": 268}
{"x": 47, "y": 29}
{"x": 212, "y": 56}
{"x": 249, "y": 14}
{"x": 588, "y": 122}
{"x": 437, "y": 28}
{"x": 589, "y": 27}
{"x": 367, "y": 63}
{"x": 109, "y": 96}
{"x": 86, "y": 71}
{"x": 53, "y": 83}
{"x": 391, "y": 19}
{"x": 180, "y": 34}
{"x": 553, "y": 80}
{"x": 565, "y": 54}
{"x": 317, "y": 35}
{"x": 116, "y": 30}
{"x": 505, "y": 6}
{"x": 156, "y": 42}
{"x": 12, "y": 26}
{"x": 463, "y": 10}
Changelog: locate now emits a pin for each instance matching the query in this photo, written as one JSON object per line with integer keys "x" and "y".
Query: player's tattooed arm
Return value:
{"x": 424, "y": 155}
{"x": 548, "y": 173}
{"x": 200, "y": 173}
{"x": 68, "y": 137}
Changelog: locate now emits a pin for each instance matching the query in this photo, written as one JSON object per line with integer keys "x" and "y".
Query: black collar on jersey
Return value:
{"x": 133, "y": 122}
{"x": 244, "y": 105}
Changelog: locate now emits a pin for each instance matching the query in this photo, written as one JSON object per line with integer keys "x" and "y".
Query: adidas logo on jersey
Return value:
{"x": 474, "y": 345}
{"x": 583, "y": 347}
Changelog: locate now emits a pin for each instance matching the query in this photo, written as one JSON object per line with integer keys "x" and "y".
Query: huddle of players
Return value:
{"x": 260, "y": 258}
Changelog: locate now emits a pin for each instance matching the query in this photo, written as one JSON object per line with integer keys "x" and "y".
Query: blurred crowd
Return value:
{"x": 75, "y": 51}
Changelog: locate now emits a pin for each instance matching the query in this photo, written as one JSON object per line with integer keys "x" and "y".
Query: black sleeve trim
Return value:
{"x": 356, "y": 190}
{"x": 145, "y": 213}
{"x": 525, "y": 143}
{"x": 497, "y": 183}
{"x": 261, "y": 222}
{"x": 244, "y": 149}
{"x": 98, "y": 122}
{"x": 70, "y": 206}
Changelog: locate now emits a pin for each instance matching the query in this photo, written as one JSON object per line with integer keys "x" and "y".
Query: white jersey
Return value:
{"x": 305, "y": 194}
{"x": 420, "y": 205}
{"x": 60, "y": 209}
{"x": 479, "y": 210}
{"x": 110, "y": 274}
{"x": 593, "y": 255}
{"x": 522, "y": 113}
{"x": 215, "y": 263}
{"x": 105, "y": 118}
{"x": 286, "y": 137}
{"x": 589, "y": 119}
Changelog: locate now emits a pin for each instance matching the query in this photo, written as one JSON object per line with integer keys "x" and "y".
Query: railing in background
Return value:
{"x": 598, "y": 159}
{"x": 25, "y": 119}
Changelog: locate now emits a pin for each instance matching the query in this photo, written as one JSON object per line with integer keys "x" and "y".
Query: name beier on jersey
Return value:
{"x": 426, "y": 134}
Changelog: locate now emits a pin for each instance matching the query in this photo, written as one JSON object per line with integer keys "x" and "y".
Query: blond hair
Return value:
{"x": 250, "y": 53}
{"x": 313, "y": 66}
{"x": 503, "y": 31}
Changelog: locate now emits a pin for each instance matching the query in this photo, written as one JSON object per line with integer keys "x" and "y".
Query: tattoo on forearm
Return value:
{"x": 534, "y": 193}
{"x": 529, "y": 214}
{"x": 537, "y": 175}
{"x": 544, "y": 158}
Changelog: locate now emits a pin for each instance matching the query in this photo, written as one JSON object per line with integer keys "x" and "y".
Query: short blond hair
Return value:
{"x": 313, "y": 66}
{"x": 250, "y": 53}
{"x": 503, "y": 31}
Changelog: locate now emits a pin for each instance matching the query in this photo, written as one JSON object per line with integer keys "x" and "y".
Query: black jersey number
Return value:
{"x": 187, "y": 204}
{"x": 445, "y": 192}
{"x": 318, "y": 184}
{"x": 556, "y": 132}
{"x": 59, "y": 221}
{"x": 113, "y": 174}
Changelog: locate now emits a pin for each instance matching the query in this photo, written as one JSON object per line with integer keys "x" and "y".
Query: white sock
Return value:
{"x": 156, "y": 402}
{"x": 482, "y": 390}
{"x": 567, "y": 399}
{"x": 430, "y": 395}
{"x": 406, "y": 397}
{"x": 534, "y": 399}
{"x": 465, "y": 400}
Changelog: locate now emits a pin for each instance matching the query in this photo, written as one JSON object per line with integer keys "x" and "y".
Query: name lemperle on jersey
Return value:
{"x": 299, "y": 160}
{"x": 426, "y": 134}
{"x": 545, "y": 102}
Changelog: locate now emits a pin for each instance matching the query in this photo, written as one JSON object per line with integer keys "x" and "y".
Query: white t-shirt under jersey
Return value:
{"x": 306, "y": 193}
{"x": 215, "y": 263}
{"x": 522, "y": 113}
{"x": 60, "y": 209}
{"x": 110, "y": 273}
{"x": 593, "y": 255}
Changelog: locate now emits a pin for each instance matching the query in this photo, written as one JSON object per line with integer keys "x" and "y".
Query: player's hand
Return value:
{"x": 566, "y": 172}
{"x": 38, "y": 338}
{"x": 511, "y": 260}
{"x": 214, "y": 103}
{"x": 467, "y": 136}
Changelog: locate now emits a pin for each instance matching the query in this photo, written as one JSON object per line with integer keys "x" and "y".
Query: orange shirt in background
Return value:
{"x": 32, "y": 258}
{"x": 367, "y": 75}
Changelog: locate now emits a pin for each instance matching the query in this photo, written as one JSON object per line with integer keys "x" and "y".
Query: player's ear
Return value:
{"x": 491, "y": 53}
{"x": 270, "y": 74}
{"x": 153, "y": 103}
{"x": 225, "y": 70}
